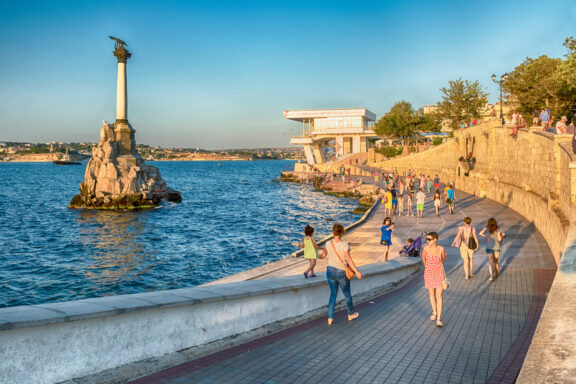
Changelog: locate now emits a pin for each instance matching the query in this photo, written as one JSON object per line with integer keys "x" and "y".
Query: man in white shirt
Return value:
{"x": 561, "y": 126}
{"x": 420, "y": 197}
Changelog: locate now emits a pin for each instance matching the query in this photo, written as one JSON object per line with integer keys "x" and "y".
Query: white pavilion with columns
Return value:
{"x": 348, "y": 130}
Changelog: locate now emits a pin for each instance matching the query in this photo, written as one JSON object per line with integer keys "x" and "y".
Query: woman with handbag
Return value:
{"x": 340, "y": 264}
{"x": 467, "y": 240}
{"x": 433, "y": 258}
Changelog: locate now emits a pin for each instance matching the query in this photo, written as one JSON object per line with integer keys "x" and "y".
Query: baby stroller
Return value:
{"x": 413, "y": 250}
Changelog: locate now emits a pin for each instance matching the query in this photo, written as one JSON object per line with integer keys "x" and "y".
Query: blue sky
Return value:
{"x": 218, "y": 74}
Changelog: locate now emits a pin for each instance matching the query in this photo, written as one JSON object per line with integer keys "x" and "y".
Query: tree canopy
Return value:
{"x": 462, "y": 101}
{"x": 403, "y": 121}
{"x": 545, "y": 82}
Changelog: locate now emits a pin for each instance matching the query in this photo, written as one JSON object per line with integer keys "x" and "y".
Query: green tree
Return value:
{"x": 462, "y": 101}
{"x": 545, "y": 81}
{"x": 533, "y": 84}
{"x": 403, "y": 121}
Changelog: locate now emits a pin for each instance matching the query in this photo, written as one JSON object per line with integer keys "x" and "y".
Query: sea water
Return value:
{"x": 233, "y": 217}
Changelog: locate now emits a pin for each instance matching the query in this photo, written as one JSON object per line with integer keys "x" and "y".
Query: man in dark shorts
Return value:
{"x": 450, "y": 199}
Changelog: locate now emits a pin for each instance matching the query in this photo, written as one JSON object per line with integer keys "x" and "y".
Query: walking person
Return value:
{"x": 386, "y": 239}
{"x": 310, "y": 250}
{"x": 338, "y": 254}
{"x": 401, "y": 203}
{"x": 467, "y": 240}
{"x": 450, "y": 198}
{"x": 388, "y": 203}
{"x": 394, "y": 199}
{"x": 420, "y": 198}
{"x": 433, "y": 258}
{"x": 437, "y": 202}
{"x": 493, "y": 249}
{"x": 409, "y": 210}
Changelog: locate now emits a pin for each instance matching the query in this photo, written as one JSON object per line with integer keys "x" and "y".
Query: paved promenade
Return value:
{"x": 487, "y": 326}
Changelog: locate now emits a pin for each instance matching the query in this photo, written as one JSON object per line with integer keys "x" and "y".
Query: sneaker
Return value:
{"x": 330, "y": 321}
{"x": 305, "y": 275}
{"x": 313, "y": 275}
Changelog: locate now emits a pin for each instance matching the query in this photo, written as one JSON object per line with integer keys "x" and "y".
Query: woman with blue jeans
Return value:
{"x": 338, "y": 254}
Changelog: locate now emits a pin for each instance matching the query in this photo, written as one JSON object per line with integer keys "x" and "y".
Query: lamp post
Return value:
{"x": 499, "y": 82}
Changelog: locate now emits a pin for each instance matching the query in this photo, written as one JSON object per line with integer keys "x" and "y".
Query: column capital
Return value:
{"x": 122, "y": 53}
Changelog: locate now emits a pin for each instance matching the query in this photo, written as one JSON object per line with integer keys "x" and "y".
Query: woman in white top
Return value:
{"x": 462, "y": 240}
{"x": 338, "y": 254}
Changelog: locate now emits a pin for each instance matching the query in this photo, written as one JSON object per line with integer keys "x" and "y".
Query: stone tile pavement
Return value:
{"x": 486, "y": 333}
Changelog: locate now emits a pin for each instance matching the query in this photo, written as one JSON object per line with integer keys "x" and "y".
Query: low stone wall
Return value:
{"x": 79, "y": 338}
{"x": 552, "y": 354}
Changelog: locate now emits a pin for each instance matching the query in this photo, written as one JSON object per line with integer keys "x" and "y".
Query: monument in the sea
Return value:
{"x": 117, "y": 177}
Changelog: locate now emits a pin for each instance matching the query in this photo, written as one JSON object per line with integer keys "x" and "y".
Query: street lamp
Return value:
{"x": 499, "y": 82}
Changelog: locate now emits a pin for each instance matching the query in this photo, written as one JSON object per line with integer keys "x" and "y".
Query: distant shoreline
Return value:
{"x": 147, "y": 160}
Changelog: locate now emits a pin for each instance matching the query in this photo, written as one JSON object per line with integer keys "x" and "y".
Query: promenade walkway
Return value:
{"x": 487, "y": 326}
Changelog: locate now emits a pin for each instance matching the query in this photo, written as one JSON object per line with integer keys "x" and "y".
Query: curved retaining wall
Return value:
{"x": 536, "y": 176}
{"x": 56, "y": 342}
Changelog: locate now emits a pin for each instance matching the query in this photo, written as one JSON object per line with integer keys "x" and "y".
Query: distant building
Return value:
{"x": 346, "y": 131}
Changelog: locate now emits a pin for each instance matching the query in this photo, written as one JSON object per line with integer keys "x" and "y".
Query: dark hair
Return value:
{"x": 433, "y": 235}
{"x": 467, "y": 220}
{"x": 492, "y": 225}
{"x": 338, "y": 230}
{"x": 410, "y": 240}
{"x": 387, "y": 219}
{"x": 309, "y": 230}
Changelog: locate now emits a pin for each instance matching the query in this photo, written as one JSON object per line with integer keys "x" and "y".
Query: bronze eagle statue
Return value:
{"x": 119, "y": 43}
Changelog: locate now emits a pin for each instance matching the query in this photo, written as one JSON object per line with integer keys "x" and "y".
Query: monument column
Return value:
{"x": 121, "y": 92}
{"x": 122, "y": 130}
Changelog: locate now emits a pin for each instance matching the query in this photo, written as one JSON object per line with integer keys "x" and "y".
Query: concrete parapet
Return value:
{"x": 78, "y": 338}
{"x": 552, "y": 354}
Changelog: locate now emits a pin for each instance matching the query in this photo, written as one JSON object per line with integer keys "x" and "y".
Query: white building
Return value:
{"x": 345, "y": 130}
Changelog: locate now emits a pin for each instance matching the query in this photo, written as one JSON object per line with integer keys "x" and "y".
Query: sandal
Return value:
{"x": 353, "y": 316}
{"x": 433, "y": 317}
{"x": 330, "y": 321}
{"x": 439, "y": 323}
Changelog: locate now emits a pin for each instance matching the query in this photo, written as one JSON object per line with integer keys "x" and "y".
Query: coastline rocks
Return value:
{"x": 117, "y": 177}
{"x": 366, "y": 194}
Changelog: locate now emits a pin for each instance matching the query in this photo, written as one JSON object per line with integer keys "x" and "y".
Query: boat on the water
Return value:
{"x": 66, "y": 160}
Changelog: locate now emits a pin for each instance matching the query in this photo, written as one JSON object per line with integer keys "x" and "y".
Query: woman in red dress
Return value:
{"x": 433, "y": 256}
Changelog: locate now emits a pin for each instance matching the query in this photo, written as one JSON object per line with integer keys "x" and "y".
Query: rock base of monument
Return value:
{"x": 124, "y": 201}
{"x": 117, "y": 177}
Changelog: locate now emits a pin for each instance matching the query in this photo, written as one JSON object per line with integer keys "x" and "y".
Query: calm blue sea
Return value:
{"x": 232, "y": 218}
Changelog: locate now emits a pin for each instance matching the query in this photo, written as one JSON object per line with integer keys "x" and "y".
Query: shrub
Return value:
{"x": 388, "y": 151}
{"x": 437, "y": 141}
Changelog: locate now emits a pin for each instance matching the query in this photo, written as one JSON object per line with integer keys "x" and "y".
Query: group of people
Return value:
{"x": 434, "y": 257}
{"x": 398, "y": 190}
{"x": 337, "y": 253}
{"x": 543, "y": 118}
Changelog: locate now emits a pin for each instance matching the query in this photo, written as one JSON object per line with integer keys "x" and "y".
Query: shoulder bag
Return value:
{"x": 445, "y": 283}
{"x": 349, "y": 271}
{"x": 472, "y": 241}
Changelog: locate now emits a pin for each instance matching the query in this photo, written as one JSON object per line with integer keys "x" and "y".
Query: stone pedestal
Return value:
{"x": 120, "y": 181}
